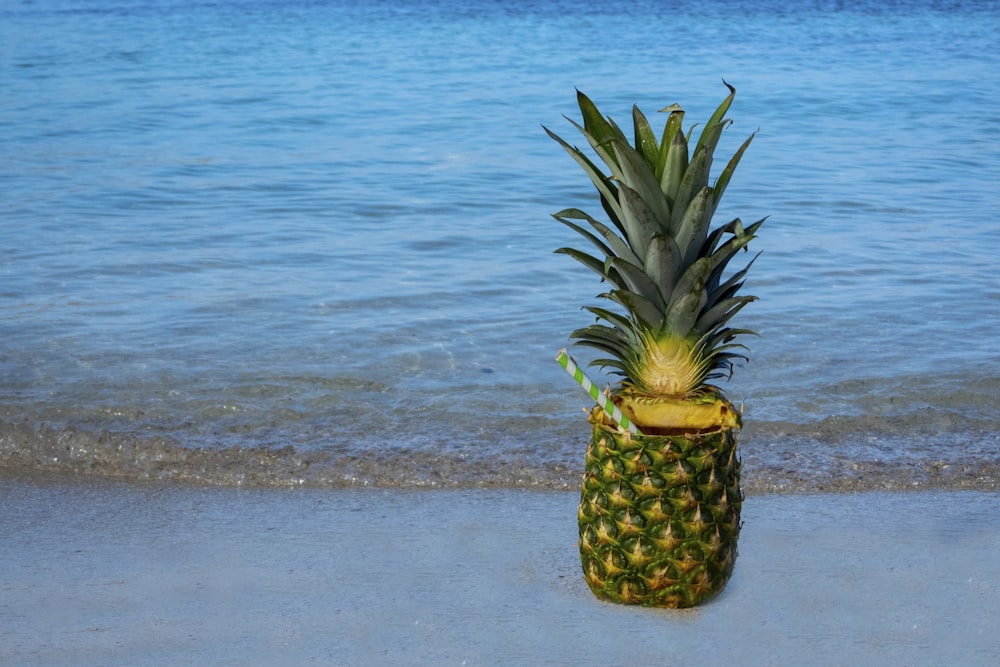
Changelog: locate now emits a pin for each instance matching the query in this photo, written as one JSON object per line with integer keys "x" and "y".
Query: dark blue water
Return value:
{"x": 290, "y": 242}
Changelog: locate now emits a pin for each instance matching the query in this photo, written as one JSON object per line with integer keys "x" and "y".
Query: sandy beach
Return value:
{"x": 114, "y": 574}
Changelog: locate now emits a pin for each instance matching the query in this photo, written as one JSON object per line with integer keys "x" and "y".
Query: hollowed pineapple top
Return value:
{"x": 665, "y": 266}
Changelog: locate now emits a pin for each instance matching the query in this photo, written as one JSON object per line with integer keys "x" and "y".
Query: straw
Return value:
{"x": 605, "y": 402}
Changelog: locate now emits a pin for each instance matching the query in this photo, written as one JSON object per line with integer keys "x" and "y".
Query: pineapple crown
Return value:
{"x": 663, "y": 262}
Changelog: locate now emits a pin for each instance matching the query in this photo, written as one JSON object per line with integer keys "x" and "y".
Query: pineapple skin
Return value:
{"x": 659, "y": 515}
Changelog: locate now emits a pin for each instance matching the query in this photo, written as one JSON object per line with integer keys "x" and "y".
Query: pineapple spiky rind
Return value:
{"x": 659, "y": 516}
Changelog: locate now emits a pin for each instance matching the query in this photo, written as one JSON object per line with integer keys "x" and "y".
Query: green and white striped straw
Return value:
{"x": 606, "y": 404}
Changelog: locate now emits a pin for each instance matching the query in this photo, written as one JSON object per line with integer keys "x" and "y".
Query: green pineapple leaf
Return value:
{"x": 723, "y": 179}
{"x": 666, "y": 266}
{"x": 645, "y": 140}
{"x": 713, "y": 129}
{"x": 663, "y": 263}
{"x": 638, "y": 176}
{"x": 618, "y": 246}
{"x": 675, "y": 166}
{"x": 604, "y": 185}
{"x": 692, "y": 229}
{"x": 640, "y": 222}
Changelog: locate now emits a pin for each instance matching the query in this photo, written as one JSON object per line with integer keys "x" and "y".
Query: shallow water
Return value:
{"x": 262, "y": 242}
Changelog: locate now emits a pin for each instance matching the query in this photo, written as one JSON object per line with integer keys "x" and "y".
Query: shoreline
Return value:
{"x": 101, "y": 573}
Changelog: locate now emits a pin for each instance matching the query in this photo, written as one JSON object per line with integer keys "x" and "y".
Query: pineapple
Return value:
{"x": 660, "y": 509}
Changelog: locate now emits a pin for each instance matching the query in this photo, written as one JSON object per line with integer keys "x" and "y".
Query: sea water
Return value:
{"x": 288, "y": 242}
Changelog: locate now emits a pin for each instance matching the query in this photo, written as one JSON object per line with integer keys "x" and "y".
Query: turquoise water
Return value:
{"x": 282, "y": 242}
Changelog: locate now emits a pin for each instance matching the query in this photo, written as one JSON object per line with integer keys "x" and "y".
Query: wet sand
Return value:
{"x": 105, "y": 574}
